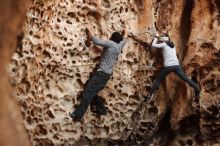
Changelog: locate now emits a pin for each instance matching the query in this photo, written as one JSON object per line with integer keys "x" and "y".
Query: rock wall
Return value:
{"x": 12, "y": 15}
{"x": 53, "y": 62}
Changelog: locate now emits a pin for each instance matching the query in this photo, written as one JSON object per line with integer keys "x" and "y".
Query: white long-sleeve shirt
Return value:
{"x": 169, "y": 54}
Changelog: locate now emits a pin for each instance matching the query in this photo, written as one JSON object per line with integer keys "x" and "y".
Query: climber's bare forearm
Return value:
{"x": 90, "y": 31}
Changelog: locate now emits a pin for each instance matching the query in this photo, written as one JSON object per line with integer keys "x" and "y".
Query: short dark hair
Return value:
{"x": 116, "y": 37}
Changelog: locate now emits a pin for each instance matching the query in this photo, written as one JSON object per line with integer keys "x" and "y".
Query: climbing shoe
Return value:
{"x": 197, "y": 93}
{"x": 147, "y": 98}
{"x": 74, "y": 116}
{"x": 98, "y": 110}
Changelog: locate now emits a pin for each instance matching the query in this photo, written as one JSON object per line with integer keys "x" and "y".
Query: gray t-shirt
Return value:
{"x": 109, "y": 54}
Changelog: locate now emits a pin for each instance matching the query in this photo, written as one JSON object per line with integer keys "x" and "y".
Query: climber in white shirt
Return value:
{"x": 171, "y": 64}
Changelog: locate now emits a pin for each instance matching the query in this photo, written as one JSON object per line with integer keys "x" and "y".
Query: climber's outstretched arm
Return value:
{"x": 125, "y": 32}
{"x": 125, "y": 35}
{"x": 100, "y": 42}
{"x": 89, "y": 31}
{"x": 96, "y": 40}
{"x": 157, "y": 45}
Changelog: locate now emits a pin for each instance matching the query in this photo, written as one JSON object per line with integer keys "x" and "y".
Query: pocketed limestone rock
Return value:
{"x": 55, "y": 61}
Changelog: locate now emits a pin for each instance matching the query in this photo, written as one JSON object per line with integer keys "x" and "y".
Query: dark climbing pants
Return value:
{"x": 95, "y": 84}
{"x": 165, "y": 71}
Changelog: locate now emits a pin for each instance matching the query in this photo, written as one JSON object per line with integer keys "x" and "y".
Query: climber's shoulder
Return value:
{"x": 170, "y": 44}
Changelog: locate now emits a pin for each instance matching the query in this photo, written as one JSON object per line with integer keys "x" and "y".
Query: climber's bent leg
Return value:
{"x": 94, "y": 85}
{"x": 97, "y": 106}
{"x": 161, "y": 75}
{"x": 181, "y": 74}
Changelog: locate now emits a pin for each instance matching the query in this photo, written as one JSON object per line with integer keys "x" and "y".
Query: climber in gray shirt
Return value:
{"x": 110, "y": 53}
{"x": 111, "y": 49}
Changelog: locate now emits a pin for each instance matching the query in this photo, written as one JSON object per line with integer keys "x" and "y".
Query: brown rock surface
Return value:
{"x": 53, "y": 62}
{"x": 12, "y": 133}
